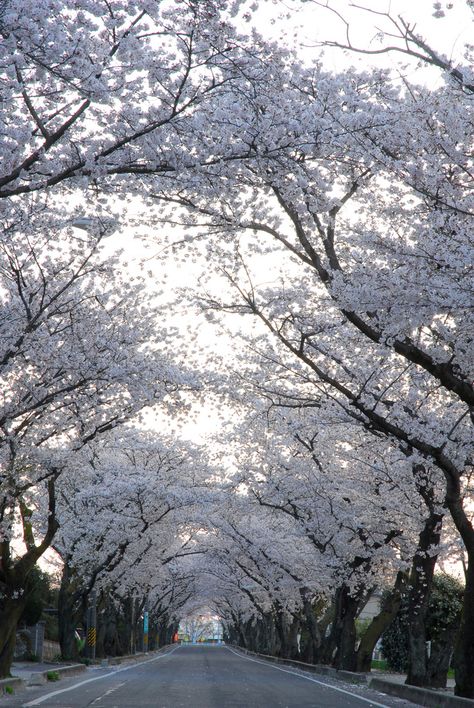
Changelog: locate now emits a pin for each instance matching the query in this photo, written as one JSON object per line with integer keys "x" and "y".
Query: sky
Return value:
{"x": 364, "y": 25}
{"x": 307, "y": 24}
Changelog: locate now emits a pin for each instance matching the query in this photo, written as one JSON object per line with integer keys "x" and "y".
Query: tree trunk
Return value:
{"x": 269, "y": 634}
{"x": 243, "y": 639}
{"x": 282, "y": 632}
{"x": 440, "y": 659}
{"x": 464, "y": 651}
{"x": 9, "y": 615}
{"x": 379, "y": 624}
{"x": 292, "y": 638}
{"x": 109, "y": 629}
{"x": 327, "y": 650}
{"x": 339, "y": 650}
{"x": 67, "y": 614}
{"x": 314, "y": 644}
{"x": 421, "y": 578}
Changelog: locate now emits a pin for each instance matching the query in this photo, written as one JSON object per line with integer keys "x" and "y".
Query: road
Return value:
{"x": 201, "y": 677}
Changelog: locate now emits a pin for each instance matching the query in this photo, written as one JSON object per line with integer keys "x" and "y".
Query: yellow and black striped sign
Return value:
{"x": 91, "y": 636}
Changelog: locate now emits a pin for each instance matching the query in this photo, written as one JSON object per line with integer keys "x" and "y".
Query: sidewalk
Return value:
{"x": 400, "y": 679}
{"x": 36, "y": 673}
{"x": 394, "y": 685}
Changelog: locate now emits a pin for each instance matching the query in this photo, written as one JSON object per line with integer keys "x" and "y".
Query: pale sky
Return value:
{"x": 308, "y": 24}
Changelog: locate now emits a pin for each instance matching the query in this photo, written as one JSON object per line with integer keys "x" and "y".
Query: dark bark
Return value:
{"x": 111, "y": 641}
{"x": 264, "y": 632}
{"x": 10, "y": 613}
{"x": 281, "y": 630}
{"x": 293, "y": 628}
{"x": 14, "y": 575}
{"x": 464, "y": 650}
{"x": 439, "y": 662}
{"x": 313, "y": 645}
{"x": 421, "y": 579}
{"x": 69, "y": 613}
{"x": 242, "y": 637}
{"x": 339, "y": 647}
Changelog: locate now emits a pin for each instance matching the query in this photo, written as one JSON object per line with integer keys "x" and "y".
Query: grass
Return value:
{"x": 9, "y": 690}
{"x": 52, "y": 676}
{"x": 383, "y": 665}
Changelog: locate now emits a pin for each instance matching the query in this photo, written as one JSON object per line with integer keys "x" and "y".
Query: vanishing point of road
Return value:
{"x": 201, "y": 677}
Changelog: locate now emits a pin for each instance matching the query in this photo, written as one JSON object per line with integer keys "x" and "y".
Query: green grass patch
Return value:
{"x": 381, "y": 664}
{"x": 9, "y": 689}
{"x": 52, "y": 676}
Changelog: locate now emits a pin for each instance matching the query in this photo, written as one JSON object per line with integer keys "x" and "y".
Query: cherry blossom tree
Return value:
{"x": 124, "y": 525}
{"x": 363, "y": 187}
{"x": 351, "y": 193}
{"x": 103, "y": 94}
{"x": 78, "y": 359}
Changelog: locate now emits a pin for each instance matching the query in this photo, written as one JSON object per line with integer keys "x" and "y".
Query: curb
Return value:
{"x": 40, "y": 678}
{"x": 14, "y": 682}
{"x": 69, "y": 670}
{"x": 421, "y": 696}
{"x": 115, "y": 660}
{"x": 349, "y": 676}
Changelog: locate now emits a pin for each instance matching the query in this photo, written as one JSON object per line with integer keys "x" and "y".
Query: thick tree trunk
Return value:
{"x": 111, "y": 644}
{"x": 421, "y": 578}
{"x": 9, "y": 615}
{"x": 327, "y": 650}
{"x": 339, "y": 650}
{"x": 293, "y": 629}
{"x": 287, "y": 643}
{"x": 260, "y": 634}
{"x": 416, "y": 675}
{"x": 243, "y": 642}
{"x": 440, "y": 659}
{"x": 67, "y": 614}
{"x": 464, "y": 651}
{"x": 250, "y": 638}
{"x": 312, "y": 650}
{"x": 379, "y": 624}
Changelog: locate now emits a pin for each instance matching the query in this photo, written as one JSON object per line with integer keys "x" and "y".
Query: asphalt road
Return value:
{"x": 201, "y": 677}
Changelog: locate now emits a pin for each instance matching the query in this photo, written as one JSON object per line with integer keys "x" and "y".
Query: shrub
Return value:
{"x": 444, "y": 610}
{"x": 52, "y": 676}
{"x": 395, "y": 640}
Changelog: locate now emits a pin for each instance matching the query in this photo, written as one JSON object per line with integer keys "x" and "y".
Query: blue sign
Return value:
{"x": 145, "y": 622}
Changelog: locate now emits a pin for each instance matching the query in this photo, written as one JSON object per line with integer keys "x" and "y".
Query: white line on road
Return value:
{"x": 38, "y": 701}
{"x": 309, "y": 678}
{"x": 107, "y": 693}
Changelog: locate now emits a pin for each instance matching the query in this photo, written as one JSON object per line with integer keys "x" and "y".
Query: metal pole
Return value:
{"x": 145, "y": 628}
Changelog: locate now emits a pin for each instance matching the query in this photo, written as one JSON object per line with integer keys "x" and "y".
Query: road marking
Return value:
{"x": 107, "y": 693}
{"x": 38, "y": 701}
{"x": 309, "y": 678}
